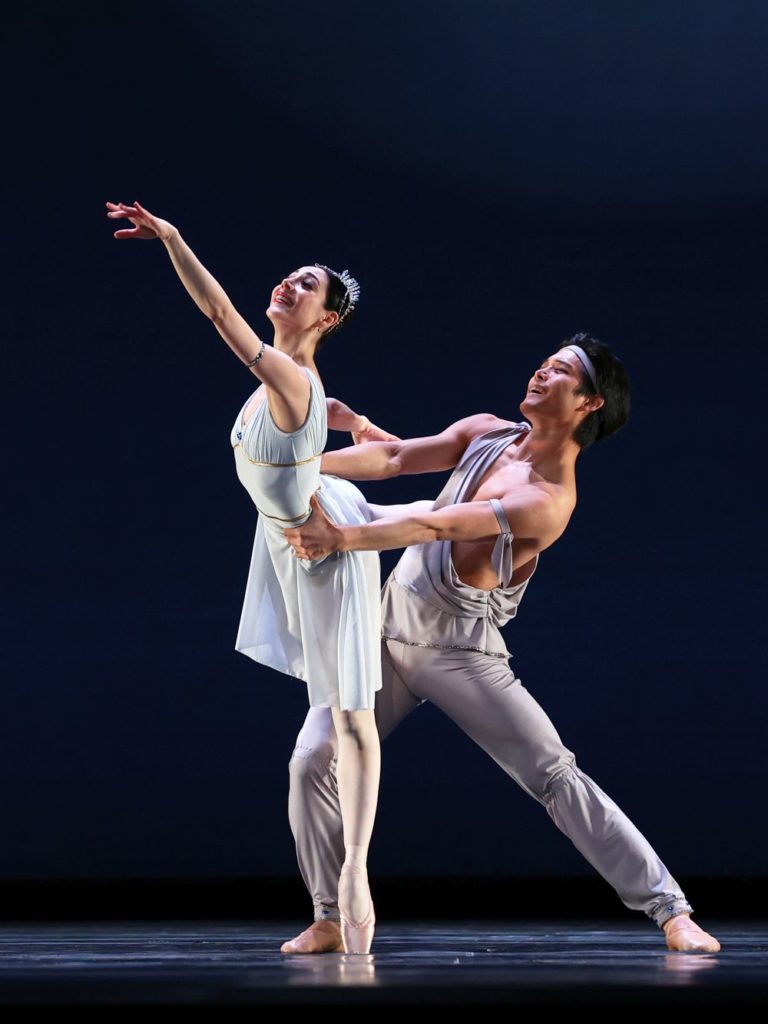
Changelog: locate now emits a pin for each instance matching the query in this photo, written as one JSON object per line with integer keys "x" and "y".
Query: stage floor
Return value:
{"x": 219, "y": 964}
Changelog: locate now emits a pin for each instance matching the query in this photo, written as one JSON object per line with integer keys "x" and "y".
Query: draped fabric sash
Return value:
{"x": 426, "y": 576}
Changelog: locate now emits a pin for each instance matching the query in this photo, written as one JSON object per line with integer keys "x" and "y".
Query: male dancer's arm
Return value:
{"x": 382, "y": 459}
{"x": 530, "y": 510}
{"x": 409, "y": 508}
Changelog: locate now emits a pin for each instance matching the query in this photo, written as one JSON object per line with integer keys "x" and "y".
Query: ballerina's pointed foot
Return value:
{"x": 320, "y": 937}
{"x": 684, "y": 936}
{"x": 356, "y": 932}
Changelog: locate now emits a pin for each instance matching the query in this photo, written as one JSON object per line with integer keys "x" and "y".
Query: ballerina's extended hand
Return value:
{"x": 372, "y": 433}
{"x": 145, "y": 224}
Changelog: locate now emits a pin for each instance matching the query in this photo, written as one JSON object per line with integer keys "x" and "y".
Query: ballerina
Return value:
{"x": 318, "y": 621}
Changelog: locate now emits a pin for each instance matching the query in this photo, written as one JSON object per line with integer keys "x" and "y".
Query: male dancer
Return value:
{"x": 510, "y": 496}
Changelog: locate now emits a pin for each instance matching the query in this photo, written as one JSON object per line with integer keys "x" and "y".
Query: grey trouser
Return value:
{"x": 483, "y": 697}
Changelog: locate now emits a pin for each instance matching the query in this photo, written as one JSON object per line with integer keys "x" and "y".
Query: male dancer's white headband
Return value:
{"x": 586, "y": 362}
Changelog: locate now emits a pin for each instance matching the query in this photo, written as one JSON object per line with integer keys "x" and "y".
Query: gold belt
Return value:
{"x": 293, "y": 519}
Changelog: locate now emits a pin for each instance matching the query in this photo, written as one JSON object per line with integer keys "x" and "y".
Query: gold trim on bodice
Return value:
{"x": 277, "y": 465}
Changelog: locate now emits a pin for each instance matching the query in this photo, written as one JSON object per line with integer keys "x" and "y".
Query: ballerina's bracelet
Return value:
{"x": 257, "y": 357}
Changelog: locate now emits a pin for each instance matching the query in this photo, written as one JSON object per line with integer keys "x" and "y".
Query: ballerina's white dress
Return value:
{"x": 319, "y": 621}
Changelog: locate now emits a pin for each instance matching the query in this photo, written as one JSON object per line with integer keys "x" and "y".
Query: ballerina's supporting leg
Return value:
{"x": 357, "y": 770}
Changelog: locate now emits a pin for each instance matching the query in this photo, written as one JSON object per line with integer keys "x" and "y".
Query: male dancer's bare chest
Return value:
{"x": 506, "y": 473}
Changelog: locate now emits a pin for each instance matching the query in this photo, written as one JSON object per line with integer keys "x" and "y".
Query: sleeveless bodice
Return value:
{"x": 280, "y": 470}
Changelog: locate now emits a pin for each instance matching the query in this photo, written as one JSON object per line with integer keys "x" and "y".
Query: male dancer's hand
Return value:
{"x": 317, "y": 537}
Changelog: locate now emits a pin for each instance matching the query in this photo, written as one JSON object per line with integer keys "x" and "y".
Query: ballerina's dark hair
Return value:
{"x": 341, "y": 297}
{"x": 612, "y": 384}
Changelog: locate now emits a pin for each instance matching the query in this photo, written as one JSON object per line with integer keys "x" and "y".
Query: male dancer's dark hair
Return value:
{"x": 612, "y": 384}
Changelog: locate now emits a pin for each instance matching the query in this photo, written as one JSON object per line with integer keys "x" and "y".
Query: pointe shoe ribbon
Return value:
{"x": 357, "y": 936}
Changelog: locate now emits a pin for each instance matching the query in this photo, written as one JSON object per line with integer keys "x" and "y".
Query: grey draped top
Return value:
{"x": 425, "y": 603}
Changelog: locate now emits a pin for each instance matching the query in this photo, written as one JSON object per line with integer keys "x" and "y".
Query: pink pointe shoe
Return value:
{"x": 357, "y": 936}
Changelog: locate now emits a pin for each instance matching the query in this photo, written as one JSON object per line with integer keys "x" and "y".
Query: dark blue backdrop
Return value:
{"x": 498, "y": 175}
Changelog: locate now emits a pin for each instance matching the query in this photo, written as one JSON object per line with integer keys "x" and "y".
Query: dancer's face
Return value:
{"x": 552, "y": 390}
{"x": 298, "y": 301}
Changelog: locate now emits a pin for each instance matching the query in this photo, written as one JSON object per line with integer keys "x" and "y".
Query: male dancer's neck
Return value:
{"x": 550, "y": 449}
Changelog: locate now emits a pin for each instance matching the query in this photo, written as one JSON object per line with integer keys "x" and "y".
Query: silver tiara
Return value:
{"x": 349, "y": 301}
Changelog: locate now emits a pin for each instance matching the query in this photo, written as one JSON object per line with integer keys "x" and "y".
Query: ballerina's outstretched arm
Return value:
{"x": 287, "y": 385}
